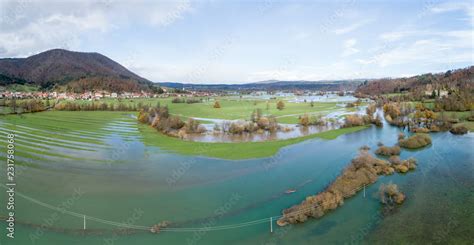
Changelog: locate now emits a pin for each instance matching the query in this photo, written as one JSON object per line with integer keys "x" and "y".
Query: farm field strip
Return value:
{"x": 83, "y": 134}
{"x": 41, "y": 149}
{"x": 41, "y": 142}
{"x": 100, "y": 130}
{"x": 38, "y": 140}
{"x": 64, "y": 139}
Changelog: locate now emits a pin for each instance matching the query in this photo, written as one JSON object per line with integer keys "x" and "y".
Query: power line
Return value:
{"x": 177, "y": 229}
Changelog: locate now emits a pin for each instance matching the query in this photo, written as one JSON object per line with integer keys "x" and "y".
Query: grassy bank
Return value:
{"x": 233, "y": 151}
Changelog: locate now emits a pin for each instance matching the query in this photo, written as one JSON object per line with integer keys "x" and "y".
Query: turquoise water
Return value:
{"x": 146, "y": 186}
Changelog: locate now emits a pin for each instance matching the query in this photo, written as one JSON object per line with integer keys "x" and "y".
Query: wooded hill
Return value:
{"x": 452, "y": 80}
{"x": 73, "y": 71}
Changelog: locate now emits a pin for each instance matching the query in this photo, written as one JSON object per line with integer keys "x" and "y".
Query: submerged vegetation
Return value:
{"x": 388, "y": 151}
{"x": 402, "y": 166}
{"x": 362, "y": 171}
{"x": 390, "y": 195}
{"x": 315, "y": 120}
{"x": 459, "y": 130}
{"x": 415, "y": 141}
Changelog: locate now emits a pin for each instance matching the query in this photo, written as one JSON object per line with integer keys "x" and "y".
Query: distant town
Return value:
{"x": 165, "y": 93}
{"x": 96, "y": 95}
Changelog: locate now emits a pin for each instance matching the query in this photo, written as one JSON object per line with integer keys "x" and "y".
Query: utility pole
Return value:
{"x": 271, "y": 225}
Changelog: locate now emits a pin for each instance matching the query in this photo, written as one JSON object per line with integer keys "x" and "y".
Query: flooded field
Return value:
{"x": 100, "y": 168}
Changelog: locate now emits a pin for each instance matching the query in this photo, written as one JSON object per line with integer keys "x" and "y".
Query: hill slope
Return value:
{"x": 450, "y": 80}
{"x": 74, "y": 70}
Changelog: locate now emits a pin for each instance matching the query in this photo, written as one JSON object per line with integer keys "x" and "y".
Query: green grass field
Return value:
{"x": 461, "y": 115}
{"x": 235, "y": 108}
{"x": 5, "y": 110}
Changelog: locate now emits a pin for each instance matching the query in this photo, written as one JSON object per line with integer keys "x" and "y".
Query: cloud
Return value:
{"x": 29, "y": 27}
{"x": 349, "y": 48}
{"x": 394, "y": 36}
{"x": 464, "y": 6}
{"x": 429, "y": 47}
{"x": 53, "y": 31}
{"x": 171, "y": 12}
{"x": 352, "y": 27}
{"x": 330, "y": 71}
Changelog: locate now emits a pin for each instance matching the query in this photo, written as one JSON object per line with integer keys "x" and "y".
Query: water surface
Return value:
{"x": 143, "y": 185}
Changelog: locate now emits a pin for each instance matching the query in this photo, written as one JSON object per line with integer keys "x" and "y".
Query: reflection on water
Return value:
{"x": 334, "y": 120}
{"x": 323, "y": 98}
{"x": 292, "y": 131}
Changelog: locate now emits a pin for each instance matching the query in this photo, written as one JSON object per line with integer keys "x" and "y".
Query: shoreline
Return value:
{"x": 225, "y": 150}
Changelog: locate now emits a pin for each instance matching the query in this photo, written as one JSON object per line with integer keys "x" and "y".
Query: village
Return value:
{"x": 97, "y": 95}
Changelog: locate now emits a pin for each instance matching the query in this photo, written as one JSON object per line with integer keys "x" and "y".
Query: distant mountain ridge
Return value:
{"x": 274, "y": 85}
{"x": 74, "y": 69}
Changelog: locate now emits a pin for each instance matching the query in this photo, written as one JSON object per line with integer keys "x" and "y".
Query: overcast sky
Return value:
{"x": 245, "y": 41}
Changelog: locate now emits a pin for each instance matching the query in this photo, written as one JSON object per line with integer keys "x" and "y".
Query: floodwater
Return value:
{"x": 143, "y": 185}
{"x": 288, "y": 131}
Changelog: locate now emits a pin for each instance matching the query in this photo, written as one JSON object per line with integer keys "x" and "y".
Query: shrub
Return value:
{"x": 415, "y": 141}
{"x": 143, "y": 117}
{"x": 177, "y": 100}
{"x": 355, "y": 120}
{"x": 388, "y": 151}
{"x": 217, "y": 105}
{"x": 273, "y": 125}
{"x": 175, "y": 122}
{"x": 392, "y": 109}
{"x": 304, "y": 120}
{"x": 263, "y": 123}
{"x": 370, "y": 110}
{"x": 350, "y": 105}
{"x": 193, "y": 126}
{"x": 394, "y": 160}
{"x": 280, "y": 105}
{"x": 434, "y": 128}
{"x": 236, "y": 128}
{"x": 420, "y": 130}
{"x": 459, "y": 130}
{"x": 317, "y": 120}
{"x": 192, "y": 101}
{"x": 401, "y": 136}
{"x": 389, "y": 194}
